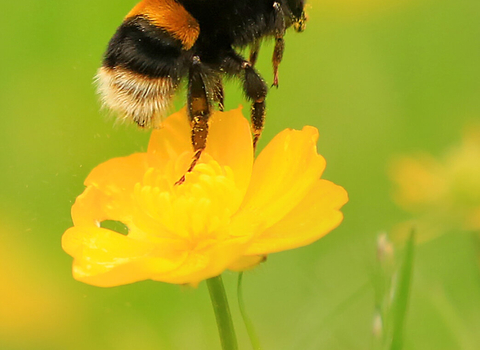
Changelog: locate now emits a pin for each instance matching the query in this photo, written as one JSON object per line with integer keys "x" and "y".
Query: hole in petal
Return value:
{"x": 116, "y": 226}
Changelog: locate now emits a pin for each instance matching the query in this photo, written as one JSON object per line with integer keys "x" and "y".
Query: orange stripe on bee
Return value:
{"x": 170, "y": 16}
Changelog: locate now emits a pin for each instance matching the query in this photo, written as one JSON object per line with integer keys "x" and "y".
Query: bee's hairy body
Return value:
{"x": 162, "y": 42}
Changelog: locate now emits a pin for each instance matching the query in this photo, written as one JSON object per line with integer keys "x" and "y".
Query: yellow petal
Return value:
{"x": 230, "y": 144}
{"x": 206, "y": 263}
{"x": 170, "y": 143}
{"x": 108, "y": 192}
{"x": 105, "y": 258}
{"x": 316, "y": 215}
{"x": 118, "y": 174}
{"x": 247, "y": 262}
{"x": 282, "y": 175}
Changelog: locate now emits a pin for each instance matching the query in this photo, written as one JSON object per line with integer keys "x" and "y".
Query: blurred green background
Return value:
{"x": 378, "y": 78}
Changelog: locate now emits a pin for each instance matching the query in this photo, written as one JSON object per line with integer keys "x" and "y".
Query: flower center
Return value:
{"x": 198, "y": 209}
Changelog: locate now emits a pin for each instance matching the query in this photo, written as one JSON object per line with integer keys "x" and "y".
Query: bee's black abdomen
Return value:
{"x": 145, "y": 49}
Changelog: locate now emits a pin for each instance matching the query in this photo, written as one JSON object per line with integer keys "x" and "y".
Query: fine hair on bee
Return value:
{"x": 164, "y": 42}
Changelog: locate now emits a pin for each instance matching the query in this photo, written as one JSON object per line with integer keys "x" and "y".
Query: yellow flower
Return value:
{"x": 444, "y": 192}
{"x": 229, "y": 213}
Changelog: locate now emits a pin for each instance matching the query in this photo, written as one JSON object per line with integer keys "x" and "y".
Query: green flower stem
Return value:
{"x": 222, "y": 313}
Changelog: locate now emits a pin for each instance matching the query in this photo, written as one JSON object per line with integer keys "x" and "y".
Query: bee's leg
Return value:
{"x": 277, "y": 58}
{"x": 199, "y": 107}
{"x": 218, "y": 95}
{"x": 254, "y": 87}
{"x": 279, "y": 42}
{"x": 255, "y": 48}
{"x": 256, "y": 90}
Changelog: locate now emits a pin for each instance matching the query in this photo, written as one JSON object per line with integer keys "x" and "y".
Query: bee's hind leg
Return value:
{"x": 199, "y": 110}
{"x": 254, "y": 87}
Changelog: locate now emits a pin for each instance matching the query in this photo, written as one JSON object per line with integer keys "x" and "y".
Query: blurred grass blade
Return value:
{"x": 401, "y": 294}
{"x": 248, "y": 322}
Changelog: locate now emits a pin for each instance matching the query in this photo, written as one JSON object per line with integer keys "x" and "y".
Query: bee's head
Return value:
{"x": 297, "y": 11}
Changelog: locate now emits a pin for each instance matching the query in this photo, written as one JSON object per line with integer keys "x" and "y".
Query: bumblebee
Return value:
{"x": 164, "y": 42}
